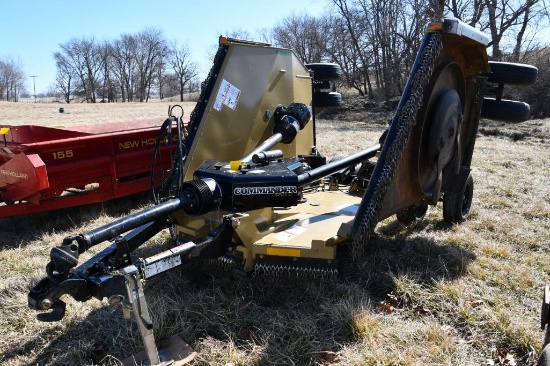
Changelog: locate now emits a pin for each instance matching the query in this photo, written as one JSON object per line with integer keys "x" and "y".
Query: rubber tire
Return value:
{"x": 512, "y": 74}
{"x": 411, "y": 214}
{"x": 456, "y": 206}
{"x": 505, "y": 110}
{"x": 326, "y": 100}
{"x": 325, "y": 71}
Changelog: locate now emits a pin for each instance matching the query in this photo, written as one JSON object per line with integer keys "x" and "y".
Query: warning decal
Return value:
{"x": 228, "y": 94}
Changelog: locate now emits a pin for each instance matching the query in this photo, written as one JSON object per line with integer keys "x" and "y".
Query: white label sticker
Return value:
{"x": 290, "y": 233}
{"x": 296, "y": 230}
{"x": 161, "y": 266}
{"x": 284, "y": 236}
{"x": 228, "y": 94}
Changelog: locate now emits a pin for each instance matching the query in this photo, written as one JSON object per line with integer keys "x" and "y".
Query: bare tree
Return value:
{"x": 503, "y": 16}
{"x": 65, "y": 76}
{"x": 412, "y": 21}
{"x": 108, "y": 87}
{"x": 161, "y": 76}
{"x": 129, "y": 66}
{"x": 301, "y": 34}
{"x": 150, "y": 48}
{"x": 355, "y": 29}
{"x": 185, "y": 70}
{"x": 124, "y": 65}
{"x": 380, "y": 32}
{"x": 469, "y": 11}
{"x": 375, "y": 42}
{"x": 524, "y": 39}
{"x": 511, "y": 24}
{"x": 338, "y": 46}
{"x": 12, "y": 79}
{"x": 84, "y": 56}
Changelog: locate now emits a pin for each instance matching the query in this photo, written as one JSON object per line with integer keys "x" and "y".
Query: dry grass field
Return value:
{"x": 428, "y": 294}
{"x": 82, "y": 114}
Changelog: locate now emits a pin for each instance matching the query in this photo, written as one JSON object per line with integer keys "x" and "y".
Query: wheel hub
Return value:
{"x": 441, "y": 135}
{"x": 443, "y": 132}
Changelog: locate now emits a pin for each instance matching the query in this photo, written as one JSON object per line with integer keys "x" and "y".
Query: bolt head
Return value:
{"x": 115, "y": 300}
{"x": 46, "y": 303}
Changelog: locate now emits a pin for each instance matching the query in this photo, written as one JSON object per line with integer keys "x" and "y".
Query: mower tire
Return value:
{"x": 505, "y": 110}
{"x": 511, "y": 73}
{"x": 325, "y": 71}
{"x": 411, "y": 214}
{"x": 325, "y": 100}
{"x": 456, "y": 206}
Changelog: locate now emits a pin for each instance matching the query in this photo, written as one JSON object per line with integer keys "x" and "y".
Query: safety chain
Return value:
{"x": 206, "y": 89}
{"x": 404, "y": 124}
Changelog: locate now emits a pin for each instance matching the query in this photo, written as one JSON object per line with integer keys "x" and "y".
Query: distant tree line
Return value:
{"x": 12, "y": 79}
{"x": 124, "y": 70}
{"x": 375, "y": 42}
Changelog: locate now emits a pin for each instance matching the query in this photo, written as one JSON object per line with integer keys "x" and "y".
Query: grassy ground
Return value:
{"x": 82, "y": 114}
{"x": 428, "y": 294}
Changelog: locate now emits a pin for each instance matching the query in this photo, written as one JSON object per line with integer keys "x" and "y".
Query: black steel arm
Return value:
{"x": 198, "y": 197}
{"x": 65, "y": 257}
{"x": 100, "y": 276}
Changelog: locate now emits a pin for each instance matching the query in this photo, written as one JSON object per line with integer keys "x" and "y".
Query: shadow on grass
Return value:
{"x": 77, "y": 342}
{"x": 20, "y": 230}
{"x": 267, "y": 321}
{"x": 398, "y": 251}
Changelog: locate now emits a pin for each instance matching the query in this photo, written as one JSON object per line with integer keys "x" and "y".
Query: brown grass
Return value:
{"x": 83, "y": 114}
{"x": 458, "y": 293}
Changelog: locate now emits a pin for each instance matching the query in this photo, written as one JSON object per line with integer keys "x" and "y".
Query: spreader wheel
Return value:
{"x": 412, "y": 214}
{"x": 456, "y": 206}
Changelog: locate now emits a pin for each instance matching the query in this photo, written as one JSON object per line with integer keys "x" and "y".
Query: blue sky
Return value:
{"x": 33, "y": 29}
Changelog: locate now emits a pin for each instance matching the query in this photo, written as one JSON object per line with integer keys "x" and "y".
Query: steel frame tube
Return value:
{"x": 266, "y": 145}
{"x": 324, "y": 170}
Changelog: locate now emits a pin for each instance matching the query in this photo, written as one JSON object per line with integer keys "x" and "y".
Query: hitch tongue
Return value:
{"x": 40, "y": 299}
{"x": 57, "y": 311}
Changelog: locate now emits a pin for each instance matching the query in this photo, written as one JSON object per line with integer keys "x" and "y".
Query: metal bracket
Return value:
{"x": 124, "y": 255}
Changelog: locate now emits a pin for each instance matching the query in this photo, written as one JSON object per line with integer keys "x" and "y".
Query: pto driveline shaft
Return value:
{"x": 111, "y": 230}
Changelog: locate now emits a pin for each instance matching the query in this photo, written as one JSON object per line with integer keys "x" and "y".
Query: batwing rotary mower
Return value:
{"x": 250, "y": 190}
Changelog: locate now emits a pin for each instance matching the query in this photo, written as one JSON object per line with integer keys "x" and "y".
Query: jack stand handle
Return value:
{"x": 546, "y": 338}
{"x": 136, "y": 297}
{"x": 148, "y": 324}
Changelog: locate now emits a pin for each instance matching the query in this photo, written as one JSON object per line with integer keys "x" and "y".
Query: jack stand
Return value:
{"x": 151, "y": 356}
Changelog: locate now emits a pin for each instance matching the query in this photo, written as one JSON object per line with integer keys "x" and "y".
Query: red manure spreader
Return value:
{"x": 46, "y": 168}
